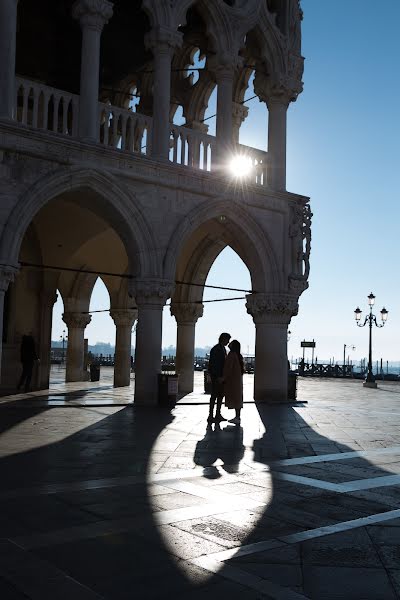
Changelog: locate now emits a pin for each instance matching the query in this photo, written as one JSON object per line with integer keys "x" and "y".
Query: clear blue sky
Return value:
{"x": 343, "y": 152}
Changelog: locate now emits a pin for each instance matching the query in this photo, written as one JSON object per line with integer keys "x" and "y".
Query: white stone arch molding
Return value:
{"x": 116, "y": 205}
{"x": 252, "y": 243}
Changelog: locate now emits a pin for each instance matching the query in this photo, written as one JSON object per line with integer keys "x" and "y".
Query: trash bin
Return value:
{"x": 167, "y": 388}
{"x": 94, "y": 372}
{"x": 292, "y": 386}
{"x": 207, "y": 383}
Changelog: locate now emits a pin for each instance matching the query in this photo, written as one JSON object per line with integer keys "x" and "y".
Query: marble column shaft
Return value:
{"x": 186, "y": 315}
{"x": 224, "y": 128}
{"x": 76, "y": 323}
{"x": 271, "y": 314}
{"x": 47, "y": 300}
{"x": 150, "y": 296}
{"x": 7, "y": 275}
{"x": 124, "y": 320}
{"x": 8, "y": 27}
{"x": 92, "y": 16}
{"x": 277, "y": 117}
{"x": 162, "y": 42}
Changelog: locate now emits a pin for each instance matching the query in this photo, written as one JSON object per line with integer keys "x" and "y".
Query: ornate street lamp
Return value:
{"x": 370, "y": 379}
{"x": 63, "y": 339}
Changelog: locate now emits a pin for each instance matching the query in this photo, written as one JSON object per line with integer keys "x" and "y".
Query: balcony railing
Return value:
{"x": 47, "y": 108}
{"x": 191, "y": 148}
{"x": 258, "y": 160}
{"x": 125, "y": 130}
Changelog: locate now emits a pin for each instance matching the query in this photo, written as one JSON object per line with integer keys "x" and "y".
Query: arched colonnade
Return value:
{"x": 85, "y": 223}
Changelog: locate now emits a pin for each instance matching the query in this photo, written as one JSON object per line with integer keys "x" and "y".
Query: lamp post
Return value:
{"x": 63, "y": 339}
{"x": 371, "y": 318}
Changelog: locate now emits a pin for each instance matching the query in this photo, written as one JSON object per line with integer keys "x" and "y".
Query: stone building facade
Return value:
{"x": 91, "y": 184}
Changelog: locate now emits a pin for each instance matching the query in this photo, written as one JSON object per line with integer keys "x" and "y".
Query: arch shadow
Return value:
{"x": 112, "y": 459}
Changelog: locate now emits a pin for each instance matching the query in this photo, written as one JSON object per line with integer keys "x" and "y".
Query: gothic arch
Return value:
{"x": 115, "y": 202}
{"x": 246, "y": 238}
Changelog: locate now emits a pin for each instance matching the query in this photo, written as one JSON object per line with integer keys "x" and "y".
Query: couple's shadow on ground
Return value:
{"x": 220, "y": 444}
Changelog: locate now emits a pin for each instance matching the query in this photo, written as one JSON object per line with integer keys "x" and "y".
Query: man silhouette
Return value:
{"x": 216, "y": 371}
{"x": 28, "y": 358}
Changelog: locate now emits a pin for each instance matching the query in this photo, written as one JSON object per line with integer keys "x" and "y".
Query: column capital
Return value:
{"x": 223, "y": 66}
{"x": 276, "y": 89}
{"x": 92, "y": 14}
{"x": 76, "y": 320}
{"x": 123, "y": 317}
{"x": 273, "y": 308}
{"x": 7, "y": 276}
{"x": 186, "y": 313}
{"x": 163, "y": 40}
{"x": 151, "y": 292}
{"x": 239, "y": 112}
{"x": 48, "y": 298}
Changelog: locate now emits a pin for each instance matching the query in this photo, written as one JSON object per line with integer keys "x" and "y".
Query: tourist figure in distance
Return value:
{"x": 233, "y": 380}
{"x": 28, "y": 359}
{"x": 216, "y": 371}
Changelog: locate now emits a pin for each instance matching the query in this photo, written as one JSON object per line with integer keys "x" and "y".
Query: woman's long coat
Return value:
{"x": 233, "y": 381}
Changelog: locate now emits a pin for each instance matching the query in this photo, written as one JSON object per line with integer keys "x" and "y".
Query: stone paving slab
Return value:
{"x": 113, "y": 501}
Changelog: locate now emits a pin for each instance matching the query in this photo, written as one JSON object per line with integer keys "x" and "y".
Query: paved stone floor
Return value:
{"x": 100, "y": 499}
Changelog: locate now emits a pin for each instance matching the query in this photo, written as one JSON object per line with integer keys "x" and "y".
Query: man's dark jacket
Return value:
{"x": 217, "y": 360}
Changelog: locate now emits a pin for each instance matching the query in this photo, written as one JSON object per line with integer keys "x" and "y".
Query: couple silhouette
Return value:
{"x": 226, "y": 374}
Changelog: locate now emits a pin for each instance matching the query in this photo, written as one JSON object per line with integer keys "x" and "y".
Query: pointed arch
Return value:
{"x": 243, "y": 234}
{"x": 114, "y": 202}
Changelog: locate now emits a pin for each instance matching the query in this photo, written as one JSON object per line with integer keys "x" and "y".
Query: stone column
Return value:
{"x": 277, "y": 110}
{"x": 150, "y": 296}
{"x": 162, "y": 42}
{"x": 47, "y": 300}
{"x": 76, "y": 323}
{"x": 92, "y": 16}
{"x": 7, "y": 275}
{"x": 124, "y": 320}
{"x": 8, "y": 27}
{"x": 224, "y": 78}
{"x": 239, "y": 114}
{"x": 186, "y": 315}
{"x": 271, "y": 314}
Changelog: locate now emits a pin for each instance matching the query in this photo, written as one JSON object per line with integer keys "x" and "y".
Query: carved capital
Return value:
{"x": 76, "y": 320}
{"x": 186, "y": 312}
{"x": 163, "y": 40}
{"x": 239, "y": 112}
{"x": 151, "y": 292}
{"x": 92, "y": 14}
{"x": 297, "y": 284}
{"x": 48, "y": 298}
{"x": 273, "y": 308}
{"x": 123, "y": 317}
{"x": 223, "y": 65}
{"x": 7, "y": 275}
{"x": 276, "y": 88}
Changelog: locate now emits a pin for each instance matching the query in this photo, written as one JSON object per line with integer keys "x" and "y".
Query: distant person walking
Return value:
{"x": 233, "y": 380}
{"x": 216, "y": 371}
{"x": 28, "y": 358}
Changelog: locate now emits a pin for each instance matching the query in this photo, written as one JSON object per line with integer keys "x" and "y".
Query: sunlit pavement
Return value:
{"x": 100, "y": 499}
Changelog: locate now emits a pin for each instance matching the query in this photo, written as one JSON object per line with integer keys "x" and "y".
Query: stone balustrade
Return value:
{"x": 259, "y": 162}
{"x": 43, "y": 107}
{"x": 191, "y": 148}
{"x": 124, "y": 129}
{"x": 49, "y": 109}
